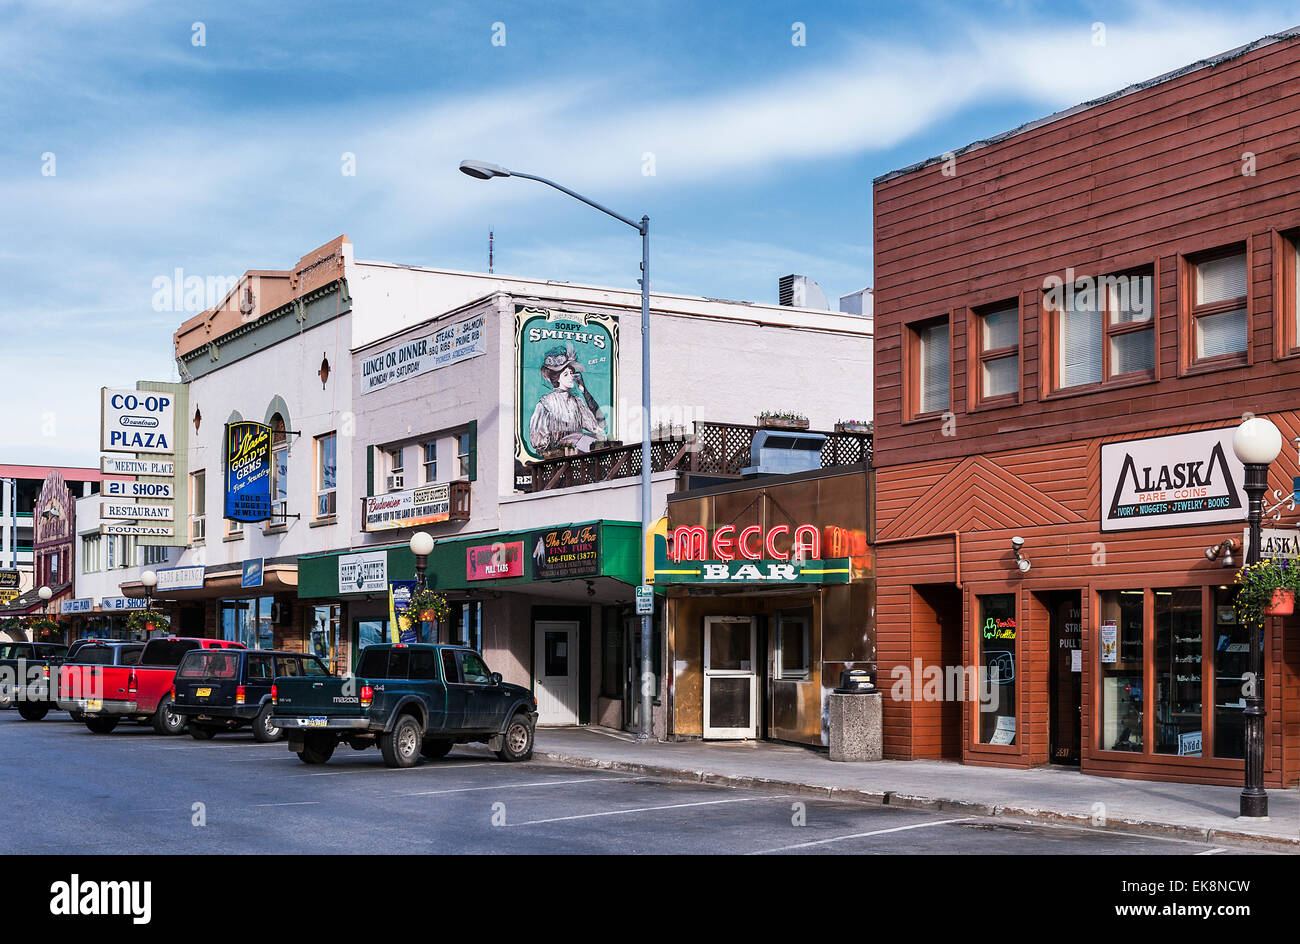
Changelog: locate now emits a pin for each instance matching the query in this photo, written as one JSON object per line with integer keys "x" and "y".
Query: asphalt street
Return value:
{"x": 70, "y": 791}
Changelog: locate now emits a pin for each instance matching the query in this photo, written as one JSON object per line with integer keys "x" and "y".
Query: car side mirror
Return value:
{"x": 496, "y": 678}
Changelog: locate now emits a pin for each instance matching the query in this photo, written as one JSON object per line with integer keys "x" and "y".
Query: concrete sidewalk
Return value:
{"x": 1191, "y": 811}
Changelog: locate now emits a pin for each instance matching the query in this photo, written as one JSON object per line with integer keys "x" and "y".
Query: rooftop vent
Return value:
{"x": 799, "y": 291}
{"x": 780, "y": 452}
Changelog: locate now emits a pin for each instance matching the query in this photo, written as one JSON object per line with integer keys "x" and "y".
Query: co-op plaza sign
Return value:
{"x": 141, "y": 422}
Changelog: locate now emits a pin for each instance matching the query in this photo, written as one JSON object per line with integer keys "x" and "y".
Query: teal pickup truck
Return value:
{"x": 410, "y": 700}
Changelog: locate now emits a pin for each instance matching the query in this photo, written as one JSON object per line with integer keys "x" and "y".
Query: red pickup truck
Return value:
{"x": 142, "y": 692}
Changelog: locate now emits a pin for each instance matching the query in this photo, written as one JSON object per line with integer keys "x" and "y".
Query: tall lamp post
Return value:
{"x": 421, "y": 547}
{"x": 1256, "y": 443}
{"x": 482, "y": 170}
{"x": 150, "y": 580}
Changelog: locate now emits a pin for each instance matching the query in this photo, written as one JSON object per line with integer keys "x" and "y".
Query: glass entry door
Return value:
{"x": 730, "y": 677}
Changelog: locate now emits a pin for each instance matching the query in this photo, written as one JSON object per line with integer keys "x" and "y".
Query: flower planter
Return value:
{"x": 561, "y": 452}
{"x": 776, "y": 422}
{"x": 428, "y": 616}
{"x": 665, "y": 433}
{"x": 1283, "y": 603}
{"x": 852, "y": 427}
{"x": 607, "y": 444}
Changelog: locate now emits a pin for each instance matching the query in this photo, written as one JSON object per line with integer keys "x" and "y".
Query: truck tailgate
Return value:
{"x": 308, "y": 698}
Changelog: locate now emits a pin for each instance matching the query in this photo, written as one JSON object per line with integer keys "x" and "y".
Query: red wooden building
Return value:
{"x": 1071, "y": 321}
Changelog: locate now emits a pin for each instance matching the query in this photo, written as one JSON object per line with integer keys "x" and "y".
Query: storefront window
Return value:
{"x": 1178, "y": 672}
{"x": 793, "y": 629}
{"x": 1120, "y": 641}
{"x": 248, "y": 622}
{"x": 1231, "y": 662}
{"x": 997, "y": 660}
{"x": 368, "y": 633}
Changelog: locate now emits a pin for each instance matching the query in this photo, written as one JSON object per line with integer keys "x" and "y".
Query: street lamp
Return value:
{"x": 482, "y": 170}
{"x": 1256, "y": 443}
{"x": 421, "y": 547}
{"x": 45, "y": 593}
{"x": 150, "y": 580}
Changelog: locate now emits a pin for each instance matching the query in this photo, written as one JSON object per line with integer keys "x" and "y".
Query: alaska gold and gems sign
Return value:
{"x": 248, "y": 472}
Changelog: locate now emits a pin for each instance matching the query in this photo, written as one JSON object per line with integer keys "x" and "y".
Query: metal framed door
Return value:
{"x": 730, "y": 677}
{"x": 555, "y": 669}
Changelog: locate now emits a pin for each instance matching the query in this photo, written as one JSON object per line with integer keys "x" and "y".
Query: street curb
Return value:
{"x": 1204, "y": 834}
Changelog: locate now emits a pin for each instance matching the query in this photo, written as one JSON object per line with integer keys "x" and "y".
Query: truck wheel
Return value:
{"x": 33, "y": 710}
{"x": 77, "y": 716}
{"x": 517, "y": 742}
{"x": 401, "y": 746}
{"x": 264, "y": 732}
{"x": 102, "y": 725}
{"x": 166, "y": 721}
{"x": 435, "y": 749}
{"x": 201, "y": 732}
{"x": 316, "y": 749}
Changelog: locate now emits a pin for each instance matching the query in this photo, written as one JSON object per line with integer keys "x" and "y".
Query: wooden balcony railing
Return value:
{"x": 716, "y": 448}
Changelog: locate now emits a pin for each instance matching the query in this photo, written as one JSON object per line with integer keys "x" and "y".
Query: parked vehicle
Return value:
{"x": 144, "y": 692}
{"x": 80, "y": 677}
{"x": 226, "y": 689}
{"x": 26, "y": 670}
{"x": 410, "y": 700}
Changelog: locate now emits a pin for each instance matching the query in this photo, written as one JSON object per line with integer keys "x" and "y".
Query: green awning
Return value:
{"x": 497, "y": 559}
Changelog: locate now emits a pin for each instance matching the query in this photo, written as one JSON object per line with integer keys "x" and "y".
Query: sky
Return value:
{"x": 138, "y": 138}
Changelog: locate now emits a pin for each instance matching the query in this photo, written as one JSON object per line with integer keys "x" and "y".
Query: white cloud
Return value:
{"x": 217, "y": 191}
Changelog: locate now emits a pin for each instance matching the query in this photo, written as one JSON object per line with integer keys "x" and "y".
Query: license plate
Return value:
{"x": 94, "y": 704}
{"x": 312, "y": 722}
{"x": 202, "y": 692}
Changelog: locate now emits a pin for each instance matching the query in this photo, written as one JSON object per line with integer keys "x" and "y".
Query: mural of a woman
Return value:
{"x": 568, "y": 414}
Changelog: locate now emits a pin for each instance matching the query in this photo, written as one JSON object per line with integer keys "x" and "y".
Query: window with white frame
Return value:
{"x": 279, "y": 471}
{"x": 326, "y": 475}
{"x": 198, "y": 505}
{"x": 430, "y": 462}
{"x": 462, "y": 454}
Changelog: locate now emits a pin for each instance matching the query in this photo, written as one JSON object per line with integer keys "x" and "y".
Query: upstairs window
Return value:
{"x": 1102, "y": 329}
{"x": 326, "y": 476}
{"x": 430, "y": 462}
{"x": 930, "y": 367}
{"x": 1219, "y": 288}
{"x": 997, "y": 330}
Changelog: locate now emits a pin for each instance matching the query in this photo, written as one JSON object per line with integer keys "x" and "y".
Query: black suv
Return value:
{"x": 225, "y": 689}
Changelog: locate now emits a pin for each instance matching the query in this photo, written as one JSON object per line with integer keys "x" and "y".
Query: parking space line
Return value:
{"x": 646, "y": 809}
{"x": 874, "y": 832}
{"x": 1215, "y": 851}
{"x": 427, "y": 767}
{"x": 293, "y": 803}
{"x": 505, "y": 786}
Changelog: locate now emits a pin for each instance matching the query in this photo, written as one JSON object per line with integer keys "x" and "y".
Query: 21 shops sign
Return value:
{"x": 1165, "y": 481}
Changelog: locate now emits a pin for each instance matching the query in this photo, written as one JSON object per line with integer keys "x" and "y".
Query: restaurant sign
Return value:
{"x": 560, "y": 553}
{"x": 1165, "y": 481}
{"x": 494, "y": 561}
{"x": 427, "y": 504}
{"x": 363, "y": 573}
{"x": 447, "y": 345}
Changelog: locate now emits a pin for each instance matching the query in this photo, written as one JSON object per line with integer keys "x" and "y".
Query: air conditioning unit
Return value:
{"x": 396, "y": 482}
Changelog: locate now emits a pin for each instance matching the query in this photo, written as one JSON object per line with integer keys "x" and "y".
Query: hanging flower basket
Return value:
{"x": 426, "y": 606}
{"x": 1266, "y": 588}
{"x": 147, "y": 621}
{"x": 1283, "y": 603}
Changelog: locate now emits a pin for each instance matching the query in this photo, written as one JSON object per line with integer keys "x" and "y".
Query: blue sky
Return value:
{"x": 228, "y": 156}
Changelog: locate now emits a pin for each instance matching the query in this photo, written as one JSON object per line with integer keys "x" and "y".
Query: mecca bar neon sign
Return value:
{"x": 751, "y": 543}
